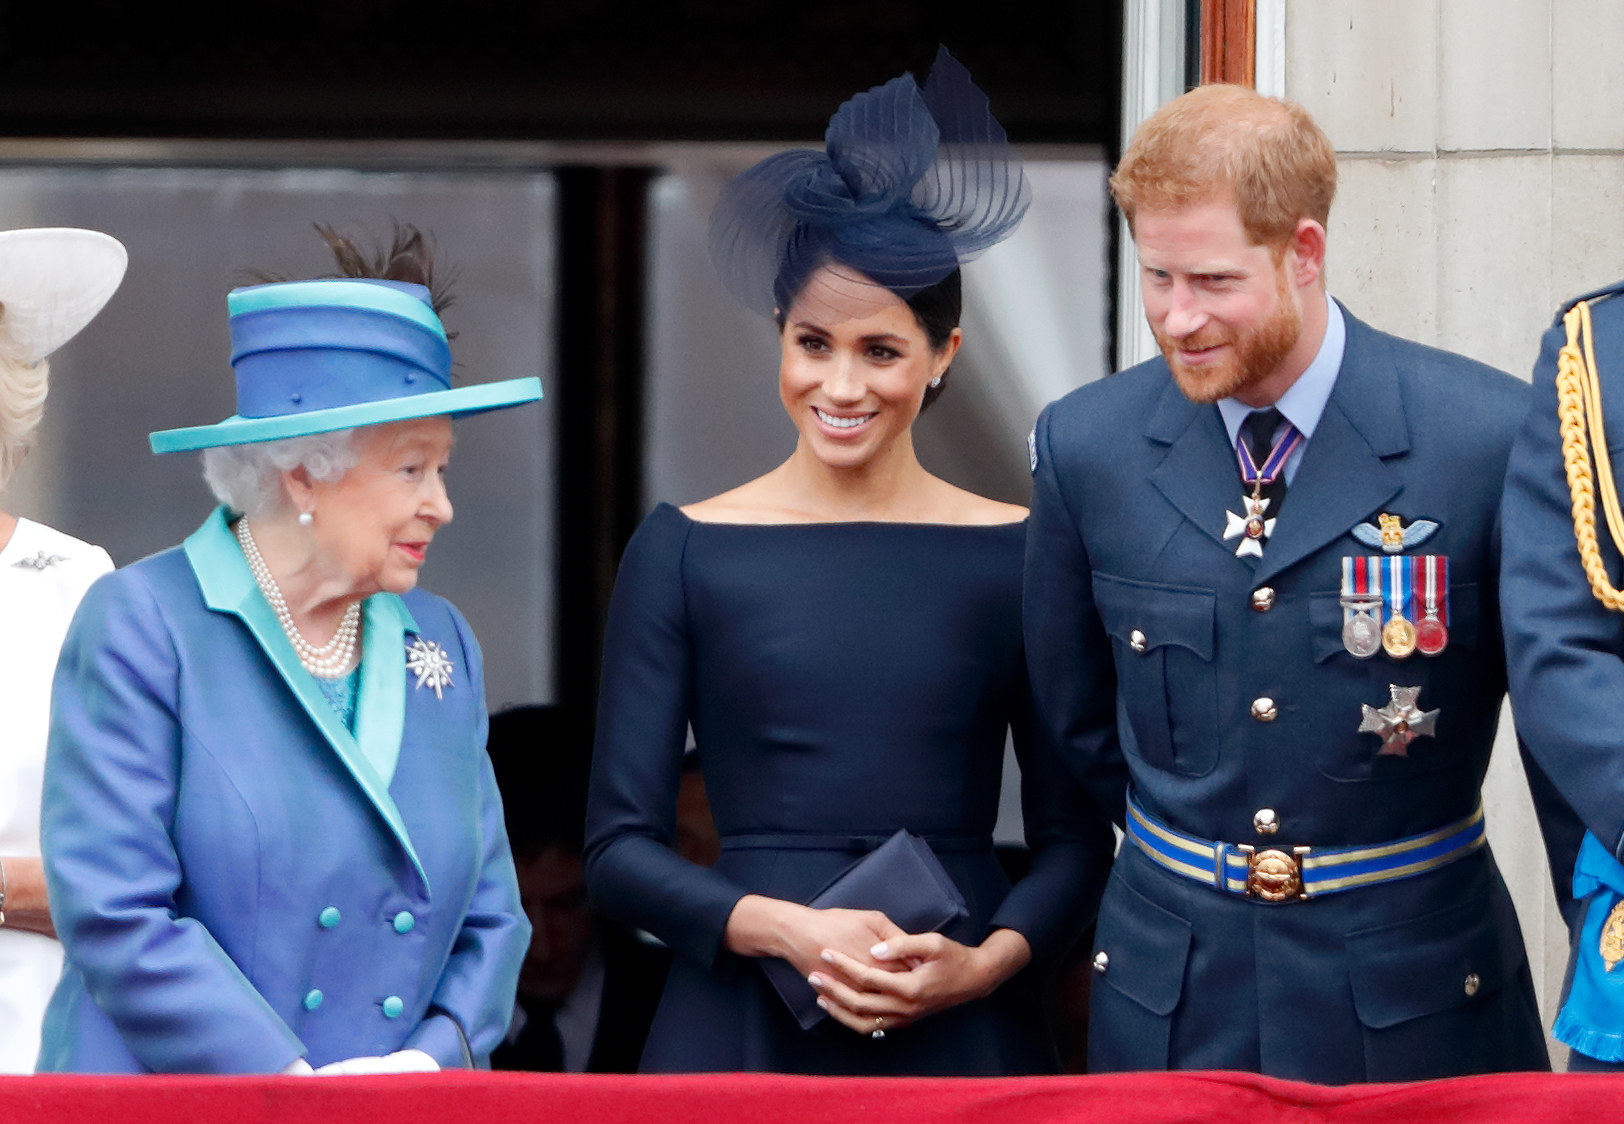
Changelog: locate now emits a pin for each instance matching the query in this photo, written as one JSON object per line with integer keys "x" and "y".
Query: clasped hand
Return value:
{"x": 865, "y": 967}
{"x": 902, "y": 979}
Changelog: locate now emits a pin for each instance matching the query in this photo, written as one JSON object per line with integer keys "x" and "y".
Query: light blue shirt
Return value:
{"x": 1304, "y": 401}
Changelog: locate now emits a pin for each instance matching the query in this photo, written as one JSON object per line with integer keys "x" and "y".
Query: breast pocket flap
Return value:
{"x": 1326, "y": 617}
{"x": 1159, "y": 615}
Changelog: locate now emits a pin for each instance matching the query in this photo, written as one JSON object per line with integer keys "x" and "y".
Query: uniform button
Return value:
{"x": 1263, "y": 599}
{"x": 404, "y": 922}
{"x": 1472, "y": 984}
{"x": 312, "y": 999}
{"x": 1101, "y": 962}
{"x": 1136, "y": 641}
{"x": 1264, "y": 710}
{"x": 392, "y": 1007}
{"x": 1266, "y": 822}
{"x": 329, "y": 917}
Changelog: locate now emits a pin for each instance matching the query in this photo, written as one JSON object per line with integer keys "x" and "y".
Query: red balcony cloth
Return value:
{"x": 496, "y": 1098}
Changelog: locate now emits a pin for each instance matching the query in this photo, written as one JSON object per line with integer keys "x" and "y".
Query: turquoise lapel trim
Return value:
{"x": 380, "y": 708}
{"x": 380, "y": 711}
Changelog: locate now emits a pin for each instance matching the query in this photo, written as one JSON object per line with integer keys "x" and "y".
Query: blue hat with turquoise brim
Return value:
{"x": 315, "y": 356}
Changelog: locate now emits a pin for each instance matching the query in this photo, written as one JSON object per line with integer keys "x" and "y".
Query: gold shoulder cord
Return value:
{"x": 1578, "y": 399}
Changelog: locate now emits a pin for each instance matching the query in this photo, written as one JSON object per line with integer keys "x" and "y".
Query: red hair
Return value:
{"x": 1217, "y": 141}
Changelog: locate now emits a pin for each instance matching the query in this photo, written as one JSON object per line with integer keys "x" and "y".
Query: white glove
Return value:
{"x": 401, "y": 1061}
{"x": 298, "y": 1067}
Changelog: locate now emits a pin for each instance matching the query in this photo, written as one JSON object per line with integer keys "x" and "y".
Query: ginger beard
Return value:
{"x": 1249, "y": 358}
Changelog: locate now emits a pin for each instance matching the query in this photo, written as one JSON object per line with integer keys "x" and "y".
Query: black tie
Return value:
{"x": 1259, "y": 427}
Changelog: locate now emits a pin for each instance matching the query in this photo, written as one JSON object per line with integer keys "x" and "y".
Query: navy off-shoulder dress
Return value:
{"x": 843, "y": 680}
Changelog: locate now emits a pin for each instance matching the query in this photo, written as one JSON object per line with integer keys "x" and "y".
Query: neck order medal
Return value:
{"x": 1254, "y": 526}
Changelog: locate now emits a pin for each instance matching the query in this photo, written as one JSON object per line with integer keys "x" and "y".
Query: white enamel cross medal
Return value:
{"x": 1255, "y": 525}
{"x": 1251, "y": 528}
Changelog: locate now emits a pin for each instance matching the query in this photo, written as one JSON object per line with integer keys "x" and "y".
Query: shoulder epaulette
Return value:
{"x": 1595, "y": 295}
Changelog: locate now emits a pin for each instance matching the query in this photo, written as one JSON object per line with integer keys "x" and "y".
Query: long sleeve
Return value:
{"x": 111, "y": 793}
{"x": 472, "y": 1003}
{"x": 1563, "y": 648}
{"x": 1068, "y": 653}
{"x": 643, "y": 708}
{"x": 1071, "y": 843}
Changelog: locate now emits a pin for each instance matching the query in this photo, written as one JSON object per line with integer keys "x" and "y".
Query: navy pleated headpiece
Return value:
{"x": 911, "y": 183}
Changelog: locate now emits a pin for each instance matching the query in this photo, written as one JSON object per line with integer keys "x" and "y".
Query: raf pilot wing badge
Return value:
{"x": 1392, "y": 537}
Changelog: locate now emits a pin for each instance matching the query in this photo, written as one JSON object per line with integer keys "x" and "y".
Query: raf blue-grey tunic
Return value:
{"x": 1158, "y": 670}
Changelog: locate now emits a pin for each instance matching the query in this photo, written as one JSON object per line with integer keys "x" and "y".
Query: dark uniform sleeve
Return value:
{"x": 1068, "y": 653}
{"x": 631, "y": 870}
{"x": 1563, "y": 648}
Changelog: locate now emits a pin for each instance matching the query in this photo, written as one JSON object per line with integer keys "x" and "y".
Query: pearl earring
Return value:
{"x": 306, "y": 518}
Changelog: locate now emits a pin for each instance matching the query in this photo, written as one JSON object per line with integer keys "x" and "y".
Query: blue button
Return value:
{"x": 313, "y": 999}
{"x": 404, "y": 922}
{"x": 392, "y": 1007}
{"x": 329, "y": 917}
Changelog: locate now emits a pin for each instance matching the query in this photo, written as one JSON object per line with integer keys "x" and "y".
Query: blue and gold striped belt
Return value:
{"x": 1280, "y": 874}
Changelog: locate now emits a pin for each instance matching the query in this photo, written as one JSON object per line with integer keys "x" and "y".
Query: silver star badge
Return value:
{"x": 428, "y": 661}
{"x": 1252, "y": 528}
{"x": 40, "y": 561}
{"x": 1400, "y": 722}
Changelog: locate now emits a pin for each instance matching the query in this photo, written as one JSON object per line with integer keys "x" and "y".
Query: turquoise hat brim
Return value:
{"x": 462, "y": 400}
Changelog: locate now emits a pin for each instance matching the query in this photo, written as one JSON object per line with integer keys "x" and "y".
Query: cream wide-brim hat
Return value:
{"x": 53, "y": 281}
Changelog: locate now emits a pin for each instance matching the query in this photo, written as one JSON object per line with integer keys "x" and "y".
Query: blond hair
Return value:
{"x": 1229, "y": 141}
{"x": 22, "y": 405}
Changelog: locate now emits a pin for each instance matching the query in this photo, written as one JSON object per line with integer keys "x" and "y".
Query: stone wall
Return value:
{"x": 1481, "y": 148}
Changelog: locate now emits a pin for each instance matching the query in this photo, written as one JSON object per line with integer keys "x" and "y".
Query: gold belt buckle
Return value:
{"x": 1275, "y": 874}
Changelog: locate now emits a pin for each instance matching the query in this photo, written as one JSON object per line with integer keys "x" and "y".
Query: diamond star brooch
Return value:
{"x": 429, "y": 662}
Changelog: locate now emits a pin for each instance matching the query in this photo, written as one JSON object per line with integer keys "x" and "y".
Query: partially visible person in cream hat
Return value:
{"x": 52, "y": 283}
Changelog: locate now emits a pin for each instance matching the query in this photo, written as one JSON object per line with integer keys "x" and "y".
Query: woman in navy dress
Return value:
{"x": 843, "y": 636}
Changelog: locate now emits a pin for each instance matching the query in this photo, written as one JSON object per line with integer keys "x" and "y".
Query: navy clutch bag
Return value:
{"x": 903, "y": 879}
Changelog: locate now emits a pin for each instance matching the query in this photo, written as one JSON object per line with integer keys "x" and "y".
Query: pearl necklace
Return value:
{"x": 332, "y": 661}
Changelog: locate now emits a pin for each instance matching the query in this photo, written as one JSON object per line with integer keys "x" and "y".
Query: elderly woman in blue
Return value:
{"x": 271, "y": 834}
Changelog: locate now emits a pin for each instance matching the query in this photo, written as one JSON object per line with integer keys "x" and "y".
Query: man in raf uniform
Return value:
{"x": 1564, "y": 630}
{"x": 1262, "y": 618}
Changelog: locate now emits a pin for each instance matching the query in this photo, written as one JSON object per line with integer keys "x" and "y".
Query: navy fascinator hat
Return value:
{"x": 912, "y": 182}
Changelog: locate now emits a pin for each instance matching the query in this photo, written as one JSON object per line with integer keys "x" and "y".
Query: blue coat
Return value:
{"x": 1565, "y": 651}
{"x": 236, "y": 879}
{"x": 1423, "y": 977}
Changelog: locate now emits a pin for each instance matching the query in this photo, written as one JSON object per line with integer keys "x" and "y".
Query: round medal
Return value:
{"x": 1398, "y": 638}
{"x": 1431, "y": 637}
{"x": 1361, "y": 636}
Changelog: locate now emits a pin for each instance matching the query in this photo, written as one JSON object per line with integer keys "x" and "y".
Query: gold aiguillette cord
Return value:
{"x": 1578, "y": 401}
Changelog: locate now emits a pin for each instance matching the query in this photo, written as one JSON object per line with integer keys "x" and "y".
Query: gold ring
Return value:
{"x": 879, "y": 1027}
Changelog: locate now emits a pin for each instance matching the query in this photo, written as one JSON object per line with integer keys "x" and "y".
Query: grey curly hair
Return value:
{"x": 22, "y": 405}
{"x": 248, "y": 478}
